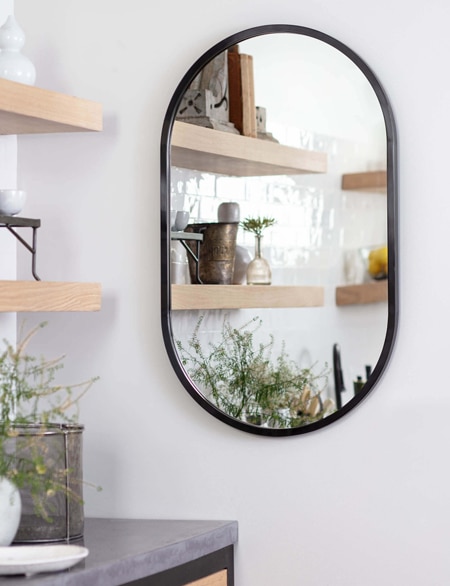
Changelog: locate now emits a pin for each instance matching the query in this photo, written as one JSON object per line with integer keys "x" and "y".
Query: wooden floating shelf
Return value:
{"x": 374, "y": 292}
{"x": 27, "y": 109}
{"x": 245, "y": 296}
{"x": 373, "y": 181}
{"x": 214, "y": 151}
{"x": 19, "y": 296}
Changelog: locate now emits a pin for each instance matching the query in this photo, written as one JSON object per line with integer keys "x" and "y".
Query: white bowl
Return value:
{"x": 12, "y": 201}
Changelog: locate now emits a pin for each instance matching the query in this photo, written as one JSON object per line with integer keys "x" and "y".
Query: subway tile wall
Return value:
{"x": 316, "y": 222}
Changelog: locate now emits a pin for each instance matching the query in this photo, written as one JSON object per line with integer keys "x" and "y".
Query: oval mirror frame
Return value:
{"x": 392, "y": 237}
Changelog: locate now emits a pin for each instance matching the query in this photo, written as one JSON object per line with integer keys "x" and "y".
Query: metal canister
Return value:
{"x": 217, "y": 252}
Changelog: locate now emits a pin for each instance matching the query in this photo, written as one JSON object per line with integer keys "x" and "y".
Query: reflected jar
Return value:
{"x": 258, "y": 270}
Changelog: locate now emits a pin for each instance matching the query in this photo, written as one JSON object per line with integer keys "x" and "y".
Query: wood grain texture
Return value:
{"x": 244, "y": 296}
{"x": 16, "y": 296}
{"x": 217, "y": 579}
{"x": 248, "y": 96}
{"x": 235, "y": 88}
{"x": 374, "y": 292}
{"x": 373, "y": 181}
{"x": 26, "y": 109}
{"x": 213, "y": 151}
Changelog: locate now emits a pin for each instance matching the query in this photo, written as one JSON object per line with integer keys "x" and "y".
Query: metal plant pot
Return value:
{"x": 61, "y": 446}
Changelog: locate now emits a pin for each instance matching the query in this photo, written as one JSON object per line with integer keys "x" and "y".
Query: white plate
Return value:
{"x": 32, "y": 559}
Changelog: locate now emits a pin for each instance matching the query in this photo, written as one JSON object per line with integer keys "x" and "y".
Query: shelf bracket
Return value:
{"x": 182, "y": 237}
{"x": 10, "y": 222}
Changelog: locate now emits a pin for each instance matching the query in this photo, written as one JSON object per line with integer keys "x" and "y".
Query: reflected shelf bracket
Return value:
{"x": 182, "y": 237}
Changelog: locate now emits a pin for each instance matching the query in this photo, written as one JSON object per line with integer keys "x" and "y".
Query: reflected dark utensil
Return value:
{"x": 338, "y": 376}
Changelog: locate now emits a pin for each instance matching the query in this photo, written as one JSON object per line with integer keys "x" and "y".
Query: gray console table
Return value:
{"x": 140, "y": 552}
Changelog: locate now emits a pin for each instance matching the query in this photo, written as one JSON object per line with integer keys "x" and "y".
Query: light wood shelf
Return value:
{"x": 372, "y": 181}
{"x": 214, "y": 151}
{"x": 27, "y": 109}
{"x": 16, "y": 296}
{"x": 245, "y": 296}
{"x": 373, "y": 292}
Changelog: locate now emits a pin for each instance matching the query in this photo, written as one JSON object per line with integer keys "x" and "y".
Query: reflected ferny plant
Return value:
{"x": 240, "y": 378}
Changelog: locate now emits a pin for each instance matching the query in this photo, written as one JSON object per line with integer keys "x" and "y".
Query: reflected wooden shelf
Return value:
{"x": 361, "y": 294}
{"x": 18, "y": 296}
{"x": 214, "y": 151}
{"x": 27, "y": 109}
{"x": 371, "y": 181}
{"x": 245, "y": 296}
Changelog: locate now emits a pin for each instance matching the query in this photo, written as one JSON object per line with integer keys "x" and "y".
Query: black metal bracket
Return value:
{"x": 182, "y": 237}
{"x": 11, "y": 222}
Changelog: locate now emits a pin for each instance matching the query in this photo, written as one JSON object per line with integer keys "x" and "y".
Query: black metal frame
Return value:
{"x": 392, "y": 213}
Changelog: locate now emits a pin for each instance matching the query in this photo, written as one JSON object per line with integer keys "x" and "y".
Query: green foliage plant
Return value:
{"x": 31, "y": 400}
{"x": 257, "y": 225}
{"x": 240, "y": 378}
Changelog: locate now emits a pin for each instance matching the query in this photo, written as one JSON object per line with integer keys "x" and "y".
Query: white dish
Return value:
{"x": 33, "y": 559}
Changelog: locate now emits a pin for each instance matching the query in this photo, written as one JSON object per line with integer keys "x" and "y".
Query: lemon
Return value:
{"x": 378, "y": 262}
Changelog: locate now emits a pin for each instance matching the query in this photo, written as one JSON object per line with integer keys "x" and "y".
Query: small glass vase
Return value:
{"x": 258, "y": 270}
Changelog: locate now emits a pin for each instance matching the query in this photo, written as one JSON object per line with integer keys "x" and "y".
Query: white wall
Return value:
{"x": 8, "y": 180}
{"x": 363, "y": 502}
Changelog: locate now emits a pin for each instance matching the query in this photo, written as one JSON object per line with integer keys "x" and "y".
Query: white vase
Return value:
{"x": 14, "y": 65}
{"x": 10, "y": 511}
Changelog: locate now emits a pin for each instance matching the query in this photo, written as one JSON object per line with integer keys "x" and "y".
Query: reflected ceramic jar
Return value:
{"x": 228, "y": 212}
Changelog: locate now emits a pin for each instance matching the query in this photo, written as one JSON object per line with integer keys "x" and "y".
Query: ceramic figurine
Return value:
{"x": 14, "y": 65}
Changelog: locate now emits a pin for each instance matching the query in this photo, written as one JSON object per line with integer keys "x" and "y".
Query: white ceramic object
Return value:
{"x": 10, "y": 511}
{"x": 12, "y": 201}
{"x": 181, "y": 221}
{"x": 241, "y": 261}
{"x": 229, "y": 212}
{"x": 14, "y": 65}
{"x": 33, "y": 559}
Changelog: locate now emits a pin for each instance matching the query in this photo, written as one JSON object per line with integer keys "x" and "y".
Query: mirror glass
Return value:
{"x": 278, "y": 220}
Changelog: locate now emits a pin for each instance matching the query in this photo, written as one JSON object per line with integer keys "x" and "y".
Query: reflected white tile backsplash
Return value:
{"x": 316, "y": 221}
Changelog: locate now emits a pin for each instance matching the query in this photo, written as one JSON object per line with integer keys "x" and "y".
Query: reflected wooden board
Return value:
{"x": 245, "y": 296}
{"x": 213, "y": 151}
{"x": 372, "y": 181}
{"x": 361, "y": 294}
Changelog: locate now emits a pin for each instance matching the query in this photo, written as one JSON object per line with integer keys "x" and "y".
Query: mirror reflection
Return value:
{"x": 278, "y": 233}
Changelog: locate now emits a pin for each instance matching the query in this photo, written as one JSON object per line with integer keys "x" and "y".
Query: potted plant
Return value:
{"x": 239, "y": 377}
{"x": 258, "y": 270}
{"x": 40, "y": 443}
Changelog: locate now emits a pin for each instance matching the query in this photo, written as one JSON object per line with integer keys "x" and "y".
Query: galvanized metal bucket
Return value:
{"x": 217, "y": 253}
{"x": 61, "y": 447}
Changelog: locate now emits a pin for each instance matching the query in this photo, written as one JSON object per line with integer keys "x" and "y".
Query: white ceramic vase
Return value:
{"x": 10, "y": 511}
{"x": 13, "y": 65}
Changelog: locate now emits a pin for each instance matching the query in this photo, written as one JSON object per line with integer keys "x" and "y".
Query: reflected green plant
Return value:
{"x": 239, "y": 376}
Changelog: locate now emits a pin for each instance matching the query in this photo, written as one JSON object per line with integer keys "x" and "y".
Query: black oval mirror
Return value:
{"x": 282, "y": 130}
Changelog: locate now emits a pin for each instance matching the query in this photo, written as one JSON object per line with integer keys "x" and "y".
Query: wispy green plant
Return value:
{"x": 30, "y": 399}
{"x": 257, "y": 225}
{"x": 239, "y": 377}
